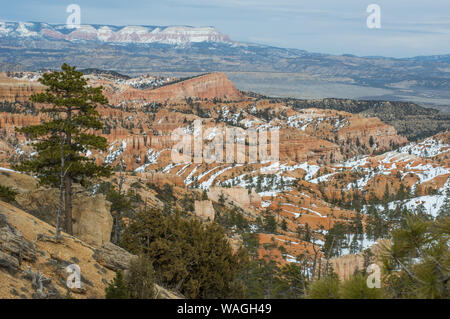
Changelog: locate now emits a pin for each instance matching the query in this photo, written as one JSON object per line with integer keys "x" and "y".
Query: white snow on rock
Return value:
{"x": 190, "y": 178}
{"x": 276, "y": 168}
{"x": 113, "y": 155}
{"x": 427, "y": 172}
{"x": 427, "y": 148}
{"x": 207, "y": 184}
{"x": 322, "y": 178}
{"x": 151, "y": 158}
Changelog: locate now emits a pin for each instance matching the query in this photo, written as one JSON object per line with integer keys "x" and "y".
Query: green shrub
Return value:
{"x": 7, "y": 194}
{"x": 117, "y": 289}
{"x": 140, "y": 278}
{"x": 356, "y": 288}
{"x": 190, "y": 257}
{"x": 325, "y": 288}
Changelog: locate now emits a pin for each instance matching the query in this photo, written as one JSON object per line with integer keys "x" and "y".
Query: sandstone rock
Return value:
{"x": 8, "y": 262}
{"x": 14, "y": 244}
{"x": 345, "y": 266}
{"x": 204, "y": 209}
{"x": 213, "y": 85}
{"x": 113, "y": 257}
{"x": 92, "y": 219}
{"x": 91, "y": 214}
{"x": 237, "y": 195}
{"x": 19, "y": 182}
{"x": 41, "y": 202}
{"x": 163, "y": 293}
{"x": 52, "y": 260}
{"x": 13, "y": 90}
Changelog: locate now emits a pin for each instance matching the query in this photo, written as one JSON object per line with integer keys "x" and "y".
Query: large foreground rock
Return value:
{"x": 28, "y": 246}
{"x": 113, "y": 257}
{"x": 92, "y": 220}
{"x": 116, "y": 258}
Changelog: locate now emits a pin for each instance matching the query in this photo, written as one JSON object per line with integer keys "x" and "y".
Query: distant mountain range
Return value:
{"x": 175, "y": 35}
{"x": 186, "y": 51}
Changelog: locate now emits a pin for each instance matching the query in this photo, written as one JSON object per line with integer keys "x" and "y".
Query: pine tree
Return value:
{"x": 444, "y": 211}
{"x": 117, "y": 289}
{"x": 356, "y": 288}
{"x": 269, "y": 223}
{"x": 7, "y": 194}
{"x": 284, "y": 225}
{"x": 188, "y": 256}
{"x": 325, "y": 288}
{"x": 307, "y": 234}
{"x": 416, "y": 264}
{"x": 70, "y": 106}
{"x": 293, "y": 276}
{"x": 140, "y": 278}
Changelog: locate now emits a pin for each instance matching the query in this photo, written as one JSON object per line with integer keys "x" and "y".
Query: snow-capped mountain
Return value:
{"x": 113, "y": 34}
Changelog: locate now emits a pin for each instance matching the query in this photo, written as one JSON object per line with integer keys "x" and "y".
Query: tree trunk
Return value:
{"x": 68, "y": 204}
{"x": 61, "y": 191}
{"x": 68, "y": 182}
{"x": 118, "y": 214}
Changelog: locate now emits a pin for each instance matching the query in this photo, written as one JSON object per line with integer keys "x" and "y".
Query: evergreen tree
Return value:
{"x": 356, "y": 288}
{"x": 269, "y": 223}
{"x": 120, "y": 204}
{"x": 296, "y": 282}
{"x": 284, "y": 225}
{"x": 71, "y": 109}
{"x": 307, "y": 235}
{"x": 7, "y": 194}
{"x": 444, "y": 211}
{"x": 324, "y": 288}
{"x": 117, "y": 289}
{"x": 140, "y": 278}
{"x": 417, "y": 262}
{"x": 188, "y": 256}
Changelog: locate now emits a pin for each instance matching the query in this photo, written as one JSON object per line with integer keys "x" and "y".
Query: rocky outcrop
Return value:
{"x": 209, "y": 86}
{"x": 28, "y": 251}
{"x": 92, "y": 219}
{"x": 13, "y": 243}
{"x": 113, "y": 257}
{"x": 204, "y": 209}
{"x": 28, "y": 246}
{"x": 9, "y": 263}
{"x": 16, "y": 90}
{"x": 236, "y": 195}
{"x": 116, "y": 259}
{"x": 345, "y": 266}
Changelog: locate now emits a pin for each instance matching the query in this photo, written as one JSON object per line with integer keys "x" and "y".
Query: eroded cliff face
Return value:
{"x": 17, "y": 90}
{"x": 328, "y": 159}
{"x": 208, "y": 86}
{"x": 345, "y": 266}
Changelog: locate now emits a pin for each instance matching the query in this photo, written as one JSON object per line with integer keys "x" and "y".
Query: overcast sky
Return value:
{"x": 408, "y": 27}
